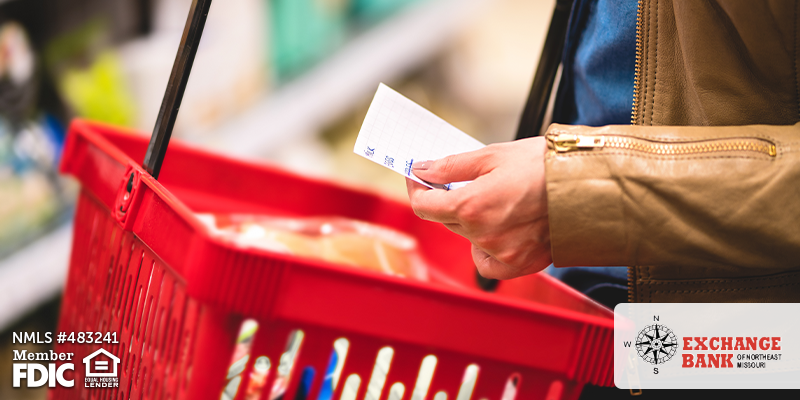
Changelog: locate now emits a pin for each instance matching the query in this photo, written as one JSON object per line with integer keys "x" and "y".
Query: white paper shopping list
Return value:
{"x": 397, "y": 132}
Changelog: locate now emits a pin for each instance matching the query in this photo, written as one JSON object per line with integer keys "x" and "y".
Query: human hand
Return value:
{"x": 503, "y": 212}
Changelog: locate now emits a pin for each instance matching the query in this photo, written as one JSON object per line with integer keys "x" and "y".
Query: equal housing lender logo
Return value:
{"x": 101, "y": 369}
{"x": 707, "y": 346}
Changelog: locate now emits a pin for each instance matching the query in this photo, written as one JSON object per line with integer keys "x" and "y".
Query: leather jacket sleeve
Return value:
{"x": 667, "y": 195}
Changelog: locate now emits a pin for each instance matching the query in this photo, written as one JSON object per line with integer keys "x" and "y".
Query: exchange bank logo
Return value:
{"x": 656, "y": 344}
{"x": 732, "y": 346}
{"x": 101, "y": 370}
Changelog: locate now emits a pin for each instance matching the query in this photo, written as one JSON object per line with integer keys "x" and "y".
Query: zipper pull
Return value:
{"x": 566, "y": 142}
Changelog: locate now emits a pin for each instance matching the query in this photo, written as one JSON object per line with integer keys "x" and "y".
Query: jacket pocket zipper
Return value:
{"x": 563, "y": 143}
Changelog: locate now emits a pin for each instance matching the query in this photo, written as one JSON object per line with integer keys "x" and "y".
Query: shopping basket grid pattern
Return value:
{"x": 138, "y": 298}
{"x": 198, "y": 318}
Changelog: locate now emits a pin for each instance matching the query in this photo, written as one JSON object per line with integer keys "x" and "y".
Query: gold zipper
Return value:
{"x": 637, "y": 72}
{"x": 634, "y": 111}
{"x": 567, "y": 142}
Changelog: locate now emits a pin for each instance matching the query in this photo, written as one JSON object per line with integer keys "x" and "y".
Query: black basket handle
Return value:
{"x": 533, "y": 116}
{"x": 176, "y": 86}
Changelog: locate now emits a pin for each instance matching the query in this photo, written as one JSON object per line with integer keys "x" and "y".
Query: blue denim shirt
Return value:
{"x": 596, "y": 89}
{"x": 599, "y": 59}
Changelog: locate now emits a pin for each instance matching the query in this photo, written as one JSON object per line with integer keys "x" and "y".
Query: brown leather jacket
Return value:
{"x": 702, "y": 192}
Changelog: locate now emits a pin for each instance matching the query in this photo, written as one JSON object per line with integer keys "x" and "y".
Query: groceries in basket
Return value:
{"x": 334, "y": 239}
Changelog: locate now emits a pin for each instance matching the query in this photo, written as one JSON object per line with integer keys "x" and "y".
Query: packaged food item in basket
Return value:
{"x": 334, "y": 239}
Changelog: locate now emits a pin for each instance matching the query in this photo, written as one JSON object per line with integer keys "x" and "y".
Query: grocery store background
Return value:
{"x": 285, "y": 81}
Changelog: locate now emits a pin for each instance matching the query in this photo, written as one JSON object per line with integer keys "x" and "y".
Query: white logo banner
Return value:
{"x": 707, "y": 346}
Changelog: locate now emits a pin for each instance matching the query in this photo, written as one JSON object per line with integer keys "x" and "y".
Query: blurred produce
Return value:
{"x": 370, "y": 11}
{"x": 89, "y": 77}
{"x": 304, "y": 31}
{"x": 17, "y": 67}
{"x": 99, "y": 92}
{"x": 29, "y": 148}
{"x": 30, "y": 199}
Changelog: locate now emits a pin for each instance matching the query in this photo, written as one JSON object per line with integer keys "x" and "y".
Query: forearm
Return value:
{"x": 690, "y": 196}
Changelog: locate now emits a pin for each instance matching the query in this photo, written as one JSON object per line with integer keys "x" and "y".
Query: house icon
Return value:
{"x": 101, "y": 366}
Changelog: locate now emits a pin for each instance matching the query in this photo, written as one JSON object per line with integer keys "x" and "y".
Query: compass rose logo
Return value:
{"x": 656, "y": 344}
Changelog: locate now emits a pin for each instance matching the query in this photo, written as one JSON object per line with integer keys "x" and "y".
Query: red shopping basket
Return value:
{"x": 144, "y": 267}
{"x": 174, "y": 313}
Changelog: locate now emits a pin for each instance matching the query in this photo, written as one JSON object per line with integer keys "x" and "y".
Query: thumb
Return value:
{"x": 455, "y": 168}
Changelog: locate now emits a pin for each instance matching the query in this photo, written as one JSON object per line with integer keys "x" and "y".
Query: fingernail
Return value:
{"x": 421, "y": 165}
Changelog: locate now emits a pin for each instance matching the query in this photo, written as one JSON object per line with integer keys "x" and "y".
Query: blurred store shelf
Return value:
{"x": 33, "y": 274}
{"x": 305, "y": 105}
